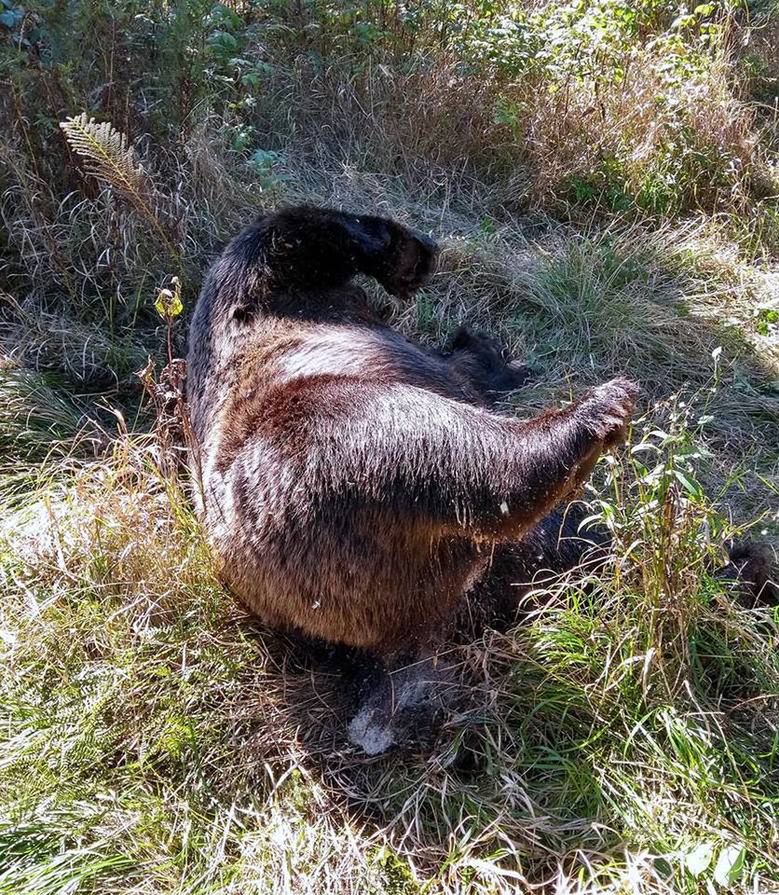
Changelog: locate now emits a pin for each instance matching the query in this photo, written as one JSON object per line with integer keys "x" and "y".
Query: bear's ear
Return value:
{"x": 372, "y": 236}
{"x": 241, "y": 313}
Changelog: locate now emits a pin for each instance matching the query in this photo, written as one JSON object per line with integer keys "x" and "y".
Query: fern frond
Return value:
{"x": 107, "y": 154}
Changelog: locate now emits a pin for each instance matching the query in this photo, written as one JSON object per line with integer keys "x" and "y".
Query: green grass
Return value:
{"x": 607, "y": 204}
{"x": 155, "y": 739}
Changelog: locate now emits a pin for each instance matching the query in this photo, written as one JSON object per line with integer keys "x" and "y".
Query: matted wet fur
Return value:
{"x": 355, "y": 485}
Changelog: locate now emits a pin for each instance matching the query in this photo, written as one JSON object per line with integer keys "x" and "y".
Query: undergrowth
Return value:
{"x": 602, "y": 177}
{"x": 623, "y": 736}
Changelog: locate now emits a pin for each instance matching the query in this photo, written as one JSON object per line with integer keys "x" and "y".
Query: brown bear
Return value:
{"x": 354, "y": 484}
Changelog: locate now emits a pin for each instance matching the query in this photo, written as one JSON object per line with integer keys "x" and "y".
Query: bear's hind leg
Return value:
{"x": 559, "y": 543}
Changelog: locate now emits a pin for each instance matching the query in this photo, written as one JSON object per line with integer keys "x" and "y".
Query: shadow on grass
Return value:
{"x": 503, "y": 775}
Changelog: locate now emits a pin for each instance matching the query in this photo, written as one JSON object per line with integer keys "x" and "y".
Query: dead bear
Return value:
{"x": 355, "y": 485}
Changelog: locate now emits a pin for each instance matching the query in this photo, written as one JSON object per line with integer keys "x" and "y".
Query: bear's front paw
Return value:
{"x": 606, "y": 410}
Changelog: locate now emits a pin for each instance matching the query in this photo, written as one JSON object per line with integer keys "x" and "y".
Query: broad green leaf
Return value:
{"x": 644, "y": 446}
{"x": 251, "y": 79}
{"x": 690, "y": 487}
{"x": 11, "y": 18}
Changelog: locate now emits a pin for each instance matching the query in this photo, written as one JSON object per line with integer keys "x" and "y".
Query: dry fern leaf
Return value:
{"x": 107, "y": 154}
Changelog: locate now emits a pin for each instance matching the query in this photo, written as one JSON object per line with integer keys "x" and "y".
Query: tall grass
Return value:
{"x": 155, "y": 739}
{"x": 603, "y": 179}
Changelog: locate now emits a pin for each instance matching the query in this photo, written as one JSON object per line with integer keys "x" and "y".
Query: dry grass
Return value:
{"x": 624, "y": 141}
{"x": 155, "y": 739}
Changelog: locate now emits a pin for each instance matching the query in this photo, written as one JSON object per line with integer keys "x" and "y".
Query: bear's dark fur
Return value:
{"x": 354, "y": 484}
{"x": 752, "y": 573}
